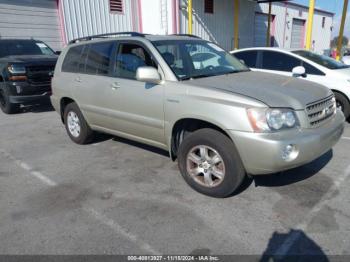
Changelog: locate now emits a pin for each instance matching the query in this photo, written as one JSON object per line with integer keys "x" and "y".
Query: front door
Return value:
{"x": 139, "y": 107}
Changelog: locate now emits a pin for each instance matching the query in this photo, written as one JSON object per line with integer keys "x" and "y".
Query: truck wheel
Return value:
{"x": 76, "y": 126}
{"x": 209, "y": 162}
{"x": 343, "y": 103}
{"x": 5, "y": 105}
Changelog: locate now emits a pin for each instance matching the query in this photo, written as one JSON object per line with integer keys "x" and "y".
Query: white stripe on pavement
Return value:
{"x": 92, "y": 212}
{"x": 284, "y": 248}
{"x": 119, "y": 229}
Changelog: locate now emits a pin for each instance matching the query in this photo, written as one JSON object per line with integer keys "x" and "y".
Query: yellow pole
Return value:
{"x": 189, "y": 17}
{"x": 309, "y": 24}
{"x": 268, "y": 33}
{"x": 236, "y": 25}
{"x": 341, "y": 32}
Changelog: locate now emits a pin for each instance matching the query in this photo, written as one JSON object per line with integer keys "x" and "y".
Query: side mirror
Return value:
{"x": 242, "y": 61}
{"x": 148, "y": 74}
{"x": 299, "y": 71}
{"x": 58, "y": 52}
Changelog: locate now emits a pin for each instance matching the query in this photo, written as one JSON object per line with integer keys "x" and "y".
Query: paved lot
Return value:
{"x": 118, "y": 197}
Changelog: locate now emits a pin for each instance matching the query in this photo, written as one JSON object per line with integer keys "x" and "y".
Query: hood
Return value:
{"x": 31, "y": 59}
{"x": 273, "y": 90}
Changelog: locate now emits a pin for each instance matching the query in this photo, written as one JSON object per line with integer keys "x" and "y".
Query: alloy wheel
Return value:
{"x": 73, "y": 124}
{"x": 205, "y": 166}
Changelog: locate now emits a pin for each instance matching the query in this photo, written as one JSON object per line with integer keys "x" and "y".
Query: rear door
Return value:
{"x": 94, "y": 92}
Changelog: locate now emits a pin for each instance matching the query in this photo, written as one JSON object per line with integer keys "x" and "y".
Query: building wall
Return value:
{"x": 286, "y": 12}
{"x": 159, "y": 16}
{"x": 219, "y": 27}
{"x": 91, "y": 17}
{"x": 27, "y": 19}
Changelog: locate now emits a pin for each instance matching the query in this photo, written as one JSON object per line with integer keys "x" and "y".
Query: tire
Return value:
{"x": 215, "y": 144}
{"x": 343, "y": 102}
{"x": 76, "y": 125}
{"x": 5, "y": 105}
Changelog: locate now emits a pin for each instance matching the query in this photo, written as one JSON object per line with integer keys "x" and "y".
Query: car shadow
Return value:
{"x": 152, "y": 149}
{"x": 40, "y": 106}
{"x": 102, "y": 137}
{"x": 294, "y": 175}
{"x": 273, "y": 180}
{"x": 294, "y": 245}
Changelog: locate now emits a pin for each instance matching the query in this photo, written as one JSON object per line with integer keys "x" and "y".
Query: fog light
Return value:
{"x": 289, "y": 153}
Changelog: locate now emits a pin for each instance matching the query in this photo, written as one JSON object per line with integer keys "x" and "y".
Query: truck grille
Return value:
{"x": 318, "y": 112}
{"x": 40, "y": 75}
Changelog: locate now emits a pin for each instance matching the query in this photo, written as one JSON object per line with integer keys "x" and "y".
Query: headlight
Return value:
{"x": 271, "y": 119}
{"x": 16, "y": 69}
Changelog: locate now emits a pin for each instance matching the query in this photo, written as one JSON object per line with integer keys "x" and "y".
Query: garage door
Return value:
{"x": 260, "y": 29}
{"x": 298, "y": 33}
{"x": 36, "y": 19}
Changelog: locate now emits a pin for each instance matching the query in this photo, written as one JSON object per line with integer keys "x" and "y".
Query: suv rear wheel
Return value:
{"x": 209, "y": 162}
{"x": 76, "y": 125}
{"x": 5, "y": 105}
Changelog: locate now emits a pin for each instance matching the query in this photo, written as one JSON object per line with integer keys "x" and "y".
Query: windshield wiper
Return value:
{"x": 209, "y": 75}
{"x": 196, "y": 76}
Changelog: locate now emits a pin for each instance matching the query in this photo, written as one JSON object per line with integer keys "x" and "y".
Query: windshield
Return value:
{"x": 26, "y": 47}
{"x": 322, "y": 60}
{"x": 191, "y": 59}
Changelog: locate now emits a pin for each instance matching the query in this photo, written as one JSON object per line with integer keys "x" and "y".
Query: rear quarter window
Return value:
{"x": 72, "y": 59}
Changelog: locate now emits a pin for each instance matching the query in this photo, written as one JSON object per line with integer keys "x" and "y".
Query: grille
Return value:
{"x": 40, "y": 75}
{"x": 318, "y": 112}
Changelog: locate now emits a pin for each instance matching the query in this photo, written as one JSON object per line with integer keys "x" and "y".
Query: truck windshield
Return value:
{"x": 23, "y": 47}
{"x": 322, "y": 60}
{"x": 190, "y": 59}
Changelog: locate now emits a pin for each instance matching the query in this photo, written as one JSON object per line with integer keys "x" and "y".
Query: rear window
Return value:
{"x": 322, "y": 60}
{"x": 72, "y": 59}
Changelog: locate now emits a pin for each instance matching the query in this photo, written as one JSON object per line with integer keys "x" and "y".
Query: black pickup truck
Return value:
{"x": 26, "y": 69}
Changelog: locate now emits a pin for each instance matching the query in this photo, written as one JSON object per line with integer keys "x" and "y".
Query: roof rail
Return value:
{"x": 188, "y": 35}
{"x": 88, "y": 38}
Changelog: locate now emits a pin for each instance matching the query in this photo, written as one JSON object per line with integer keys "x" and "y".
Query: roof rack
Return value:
{"x": 88, "y": 38}
{"x": 188, "y": 35}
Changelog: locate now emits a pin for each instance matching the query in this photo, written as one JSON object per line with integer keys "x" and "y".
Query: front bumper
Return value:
{"x": 262, "y": 153}
{"x": 28, "y": 99}
{"x": 24, "y": 92}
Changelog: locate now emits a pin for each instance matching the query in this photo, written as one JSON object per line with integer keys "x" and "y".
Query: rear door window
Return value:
{"x": 98, "y": 60}
{"x": 279, "y": 61}
{"x": 129, "y": 58}
{"x": 249, "y": 58}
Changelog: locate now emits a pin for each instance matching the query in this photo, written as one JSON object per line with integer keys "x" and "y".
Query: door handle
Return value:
{"x": 115, "y": 85}
{"x": 78, "y": 79}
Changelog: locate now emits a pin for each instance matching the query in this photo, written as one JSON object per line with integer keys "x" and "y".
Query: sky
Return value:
{"x": 335, "y": 6}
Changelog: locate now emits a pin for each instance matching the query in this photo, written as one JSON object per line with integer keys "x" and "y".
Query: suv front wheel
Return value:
{"x": 209, "y": 162}
{"x": 76, "y": 125}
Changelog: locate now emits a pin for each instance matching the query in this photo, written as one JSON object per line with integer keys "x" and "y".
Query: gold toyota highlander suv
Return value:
{"x": 186, "y": 95}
